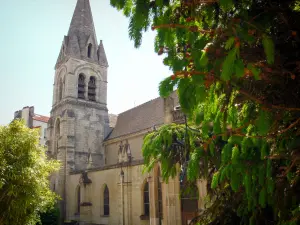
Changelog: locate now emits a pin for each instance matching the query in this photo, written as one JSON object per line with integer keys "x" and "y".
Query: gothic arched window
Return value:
{"x": 106, "y": 201}
{"x": 146, "y": 199}
{"x": 81, "y": 86}
{"x": 92, "y": 89}
{"x": 89, "y": 54}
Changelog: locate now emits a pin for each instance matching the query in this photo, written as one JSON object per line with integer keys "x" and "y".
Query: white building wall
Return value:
{"x": 43, "y": 130}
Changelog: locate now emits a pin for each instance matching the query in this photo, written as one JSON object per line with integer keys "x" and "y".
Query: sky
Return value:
{"x": 31, "y": 36}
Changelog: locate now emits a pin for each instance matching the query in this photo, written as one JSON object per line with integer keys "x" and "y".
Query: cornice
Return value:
{"x": 114, "y": 166}
{"x": 75, "y": 101}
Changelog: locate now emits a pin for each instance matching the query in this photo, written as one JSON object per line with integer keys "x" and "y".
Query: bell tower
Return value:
{"x": 79, "y": 116}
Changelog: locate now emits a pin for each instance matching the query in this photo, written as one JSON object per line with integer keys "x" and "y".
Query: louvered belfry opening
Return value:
{"x": 81, "y": 86}
{"x": 92, "y": 89}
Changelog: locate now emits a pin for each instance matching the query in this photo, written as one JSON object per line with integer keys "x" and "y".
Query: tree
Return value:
{"x": 24, "y": 173}
{"x": 50, "y": 217}
{"x": 236, "y": 70}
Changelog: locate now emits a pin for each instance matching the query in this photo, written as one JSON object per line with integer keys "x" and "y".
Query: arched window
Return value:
{"x": 90, "y": 50}
{"x": 81, "y": 86}
{"x": 106, "y": 201}
{"x": 92, "y": 89}
{"x": 78, "y": 200}
{"x": 146, "y": 199}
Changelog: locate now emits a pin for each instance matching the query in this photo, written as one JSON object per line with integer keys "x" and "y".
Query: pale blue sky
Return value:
{"x": 31, "y": 35}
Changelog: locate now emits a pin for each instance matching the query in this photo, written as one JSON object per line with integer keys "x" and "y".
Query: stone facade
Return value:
{"x": 101, "y": 180}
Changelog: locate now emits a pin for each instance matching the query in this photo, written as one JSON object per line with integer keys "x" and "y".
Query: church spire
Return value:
{"x": 81, "y": 42}
{"x": 82, "y": 22}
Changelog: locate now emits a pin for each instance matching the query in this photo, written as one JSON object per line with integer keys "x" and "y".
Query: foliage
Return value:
{"x": 236, "y": 69}
{"x": 50, "y": 217}
{"x": 24, "y": 173}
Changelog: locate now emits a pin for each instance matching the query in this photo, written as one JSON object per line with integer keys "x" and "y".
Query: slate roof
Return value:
{"x": 81, "y": 37}
{"x": 142, "y": 117}
{"x": 139, "y": 118}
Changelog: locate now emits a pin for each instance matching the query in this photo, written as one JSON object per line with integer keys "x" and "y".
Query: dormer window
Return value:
{"x": 90, "y": 51}
{"x": 92, "y": 89}
{"x": 81, "y": 86}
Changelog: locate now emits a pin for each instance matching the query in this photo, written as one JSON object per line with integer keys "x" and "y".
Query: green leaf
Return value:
{"x": 263, "y": 122}
{"x": 264, "y": 151}
{"x": 226, "y": 4}
{"x": 229, "y": 43}
{"x": 235, "y": 181}
{"x": 255, "y": 71}
{"x": 203, "y": 60}
{"x": 235, "y": 155}
{"x": 269, "y": 48}
{"x": 217, "y": 125}
{"x": 263, "y": 197}
{"x": 239, "y": 68}
{"x": 261, "y": 176}
{"x": 228, "y": 65}
{"x": 270, "y": 185}
{"x": 215, "y": 180}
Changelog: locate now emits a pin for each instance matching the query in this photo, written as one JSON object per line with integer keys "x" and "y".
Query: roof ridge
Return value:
{"x": 140, "y": 105}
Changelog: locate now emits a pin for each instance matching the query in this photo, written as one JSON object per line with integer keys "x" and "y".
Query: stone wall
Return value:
{"x": 124, "y": 197}
{"x": 112, "y": 147}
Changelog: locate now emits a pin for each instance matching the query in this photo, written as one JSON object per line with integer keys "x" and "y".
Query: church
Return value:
{"x": 101, "y": 179}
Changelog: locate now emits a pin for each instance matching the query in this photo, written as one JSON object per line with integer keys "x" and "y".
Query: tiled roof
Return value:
{"x": 41, "y": 118}
{"x": 139, "y": 118}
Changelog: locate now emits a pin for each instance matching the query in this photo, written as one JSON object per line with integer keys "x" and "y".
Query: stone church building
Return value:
{"x": 101, "y": 179}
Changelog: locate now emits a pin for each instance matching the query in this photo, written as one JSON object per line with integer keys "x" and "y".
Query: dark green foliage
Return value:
{"x": 236, "y": 70}
{"x": 51, "y": 217}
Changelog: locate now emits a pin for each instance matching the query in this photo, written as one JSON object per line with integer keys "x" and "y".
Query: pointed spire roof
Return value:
{"x": 81, "y": 41}
{"x": 102, "y": 55}
{"x": 82, "y": 21}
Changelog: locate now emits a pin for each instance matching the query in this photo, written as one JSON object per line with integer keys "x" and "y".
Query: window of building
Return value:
{"x": 45, "y": 133}
{"x": 106, "y": 201}
{"x": 81, "y": 86}
{"x": 146, "y": 199}
{"x": 90, "y": 50}
{"x": 92, "y": 89}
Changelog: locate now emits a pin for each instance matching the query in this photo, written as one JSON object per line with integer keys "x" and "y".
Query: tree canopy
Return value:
{"x": 236, "y": 70}
{"x": 24, "y": 175}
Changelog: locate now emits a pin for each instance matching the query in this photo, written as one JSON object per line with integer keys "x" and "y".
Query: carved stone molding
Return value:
{"x": 178, "y": 116}
{"x": 84, "y": 103}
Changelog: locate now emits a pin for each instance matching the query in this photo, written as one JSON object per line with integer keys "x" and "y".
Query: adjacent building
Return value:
{"x": 34, "y": 121}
